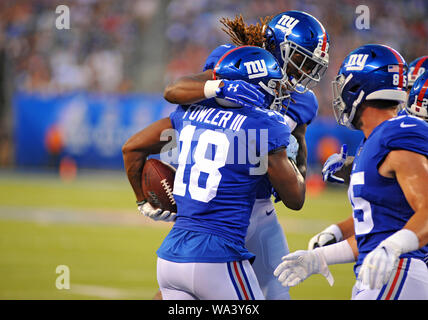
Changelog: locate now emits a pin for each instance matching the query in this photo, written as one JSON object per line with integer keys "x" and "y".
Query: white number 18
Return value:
{"x": 201, "y": 163}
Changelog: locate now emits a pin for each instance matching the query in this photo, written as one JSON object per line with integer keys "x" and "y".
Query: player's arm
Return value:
{"x": 338, "y": 167}
{"x": 345, "y": 172}
{"x": 333, "y": 234}
{"x": 188, "y": 89}
{"x": 286, "y": 179}
{"x": 302, "y": 153}
{"x": 411, "y": 171}
{"x": 198, "y": 87}
{"x": 347, "y": 227}
{"x": 412, "y": 179}
{"x": 136, "y": 150}
{"x": 299, "y": 265}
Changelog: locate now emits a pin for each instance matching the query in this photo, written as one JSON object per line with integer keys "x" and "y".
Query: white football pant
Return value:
{"x": 265, "y": 238}
{"x": 409, "y": 281}
{"x": 234, "y": 280}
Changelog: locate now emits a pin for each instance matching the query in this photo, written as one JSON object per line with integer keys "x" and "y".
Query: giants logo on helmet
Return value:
{"x": 356, "y": 62}
{"x": 256, "y": 69}
{"x": 286, "y": 24}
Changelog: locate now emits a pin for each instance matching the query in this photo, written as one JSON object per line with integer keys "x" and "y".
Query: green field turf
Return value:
{"x": 91, "y": 226}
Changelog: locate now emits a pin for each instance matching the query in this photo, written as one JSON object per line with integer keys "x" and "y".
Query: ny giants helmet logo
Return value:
{"x": 256, "y": 69}
{"x": 356, "y": 62}
{"x": 286, "y": 24}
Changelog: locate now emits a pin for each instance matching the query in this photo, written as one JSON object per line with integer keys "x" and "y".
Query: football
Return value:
{"x": 157, "y": 183}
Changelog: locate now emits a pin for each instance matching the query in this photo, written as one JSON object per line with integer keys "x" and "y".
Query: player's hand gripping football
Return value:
{"x": 299, "y": 265}
{"x": 333, "y": 164}
{"x": 147, "y": 210}
{"x": 241, "y": 93}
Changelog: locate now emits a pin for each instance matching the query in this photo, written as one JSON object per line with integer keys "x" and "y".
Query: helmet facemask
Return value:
{"x": 309, "y": 68}
{"x": 344, "y": 117}
{"x": 277, "y": 91}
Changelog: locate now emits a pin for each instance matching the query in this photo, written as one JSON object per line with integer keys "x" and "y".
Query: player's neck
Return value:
{"x": 372, "y": 117}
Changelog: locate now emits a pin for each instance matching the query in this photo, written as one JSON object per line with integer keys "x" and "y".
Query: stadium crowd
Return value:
{"x": 103, "y": 46}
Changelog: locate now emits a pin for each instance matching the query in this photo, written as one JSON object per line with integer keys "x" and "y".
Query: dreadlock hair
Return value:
{"x": 242, "y": 34}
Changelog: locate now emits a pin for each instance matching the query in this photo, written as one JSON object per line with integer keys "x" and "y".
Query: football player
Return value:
{"x": 337, "y": 168}
{"x": 388, "y": 196}
{"x": 300, "y": 43}
{"x": 224, "y": 153}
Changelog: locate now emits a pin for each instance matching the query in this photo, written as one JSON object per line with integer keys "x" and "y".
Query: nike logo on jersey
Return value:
{"x": 268, "y": 213}
{"x": 403, "y": 125}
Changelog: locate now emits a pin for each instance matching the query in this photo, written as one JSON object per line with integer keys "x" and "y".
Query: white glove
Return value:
{"x": 292, "y": 148}
{"x": 299, "y": 265}
{"x": 379, "y": 264}
{"x": 333, "y": 164}
{"x": 329, "y": 235}
{"x": 156, "y": 214}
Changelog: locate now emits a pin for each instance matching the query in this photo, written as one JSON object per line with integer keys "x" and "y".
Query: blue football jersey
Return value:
{"x": 379, "y": 205}
{"x": 303, "y": 108}
{"x": 219, "y": 168}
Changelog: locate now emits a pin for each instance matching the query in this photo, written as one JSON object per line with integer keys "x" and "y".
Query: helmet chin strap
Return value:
{"x": 354, "y": 110}
{"x": 266, "y": 88}
{"x": 277, "y": 100}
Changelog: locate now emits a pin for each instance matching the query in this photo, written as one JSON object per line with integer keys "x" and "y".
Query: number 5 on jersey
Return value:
{"x": 362, "y": 211}
{"x": 201, "y": 163}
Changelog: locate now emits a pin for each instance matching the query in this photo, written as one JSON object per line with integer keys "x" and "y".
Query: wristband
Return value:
{"x": 210, "y": 88}
{"x": 337, "y": 253}
{"x": 405, "y": 240}
{"x": 335, "y": 230}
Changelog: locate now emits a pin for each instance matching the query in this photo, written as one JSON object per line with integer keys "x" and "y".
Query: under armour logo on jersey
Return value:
{"x": 286, "y": 24}
{"x": 233, "y": 87}
{"x": 256, "y": 69}
{"x": 356, "y": 62}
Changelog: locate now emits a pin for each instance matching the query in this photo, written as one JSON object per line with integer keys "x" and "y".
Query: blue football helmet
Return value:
{"x": 371, "y": 72}
{"x": 300, "y": 43}
{"x": 417, "y": 103}
{"x": 416, "y": 68}
{"x": 256, "y": 66}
